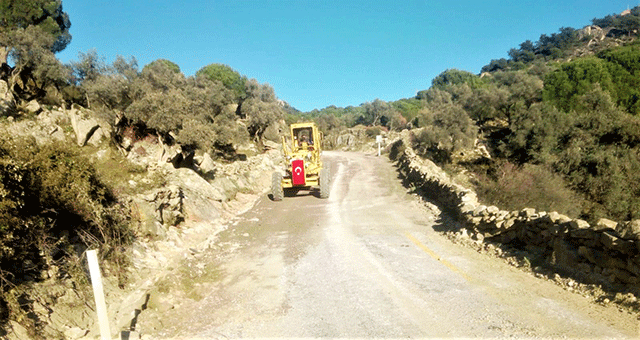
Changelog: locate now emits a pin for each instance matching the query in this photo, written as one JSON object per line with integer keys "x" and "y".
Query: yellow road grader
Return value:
{"x": 303, "y": 166}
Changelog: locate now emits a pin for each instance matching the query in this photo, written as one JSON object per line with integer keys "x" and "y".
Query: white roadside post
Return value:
{"x": 379, "y": 141}
{"x": 98, "y": 293}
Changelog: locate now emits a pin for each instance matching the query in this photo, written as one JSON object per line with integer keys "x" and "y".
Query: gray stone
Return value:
{"x": 478, "y": 237}
{"x": 159, "y": 302}
{"x": 74, "y": 332}
{"x": 33, "y": 107}
{"x": 502, "y": 215}
{"x": 555, "y": 217}
{"x": 608, "y": 240}
{"x": 528, "y": 213}
{"x": 606, "y": 224}
{"x": 625, "y": 276}
{"x": 480, "y": 210}
{"x": 467, "y": 208}
{"x": 207, "y": 166}
{"x": 492, "y": 209}
{"x": 475, "y": 221}
{"x": 579, "y": 224}
{"x": 629, "y": 230}
{"x": 584, "y": 234}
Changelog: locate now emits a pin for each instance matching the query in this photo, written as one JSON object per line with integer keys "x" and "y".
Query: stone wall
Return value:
{"x": 608, "y": 251}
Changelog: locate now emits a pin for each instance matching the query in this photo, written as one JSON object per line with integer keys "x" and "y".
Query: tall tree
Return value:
{"x": 227, "y": 76}
{"x": 44, "y": 16}
{"x": 377, "y": 112}
{"x": 260, "y": 109}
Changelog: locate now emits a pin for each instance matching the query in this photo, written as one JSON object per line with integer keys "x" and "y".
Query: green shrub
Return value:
{"x": 447, "y": 129}
{"x": 529, "y": 186}
{"x": 373, "y": 131}
{"x": 52, "y": 207}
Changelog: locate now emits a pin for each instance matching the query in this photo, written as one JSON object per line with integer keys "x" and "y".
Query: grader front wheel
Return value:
{"x": 277, "y": 192}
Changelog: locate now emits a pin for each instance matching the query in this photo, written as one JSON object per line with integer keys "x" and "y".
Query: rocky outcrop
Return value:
{"x": 593, "y": 32}
{"x": 606, "y": 250}
{"x": 348, "y": 140}
{"x": 44, "y": 129}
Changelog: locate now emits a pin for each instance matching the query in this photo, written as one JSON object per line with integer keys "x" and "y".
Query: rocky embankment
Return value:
{"x": 606, "y": 254}
{"x": 178, "y": 206}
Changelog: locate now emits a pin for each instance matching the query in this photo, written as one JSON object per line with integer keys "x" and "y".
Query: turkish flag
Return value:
{"x": 297, "y": 172}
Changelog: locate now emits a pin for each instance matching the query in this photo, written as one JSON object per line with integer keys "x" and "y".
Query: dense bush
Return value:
{"x": 446, "y": 129}
{"x": 515, "y": 187}
{"x": 52, "y": 207}
{"x": 208, "y": 111}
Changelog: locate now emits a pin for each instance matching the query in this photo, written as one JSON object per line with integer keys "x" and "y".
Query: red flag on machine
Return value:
{"x": 297, "y": 172}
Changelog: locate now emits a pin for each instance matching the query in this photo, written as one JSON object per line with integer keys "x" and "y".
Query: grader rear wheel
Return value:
{"x": 277, "y": 192}
{"x": 324, "y": 183}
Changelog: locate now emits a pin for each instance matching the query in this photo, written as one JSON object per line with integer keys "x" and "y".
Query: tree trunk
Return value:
{"x": 4, "y": 54}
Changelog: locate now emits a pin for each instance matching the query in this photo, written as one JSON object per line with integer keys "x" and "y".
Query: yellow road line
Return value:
{"x": 431, "y": 253}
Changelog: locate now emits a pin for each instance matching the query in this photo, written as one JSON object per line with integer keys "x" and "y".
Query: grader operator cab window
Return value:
{"x": 304, "y": 138}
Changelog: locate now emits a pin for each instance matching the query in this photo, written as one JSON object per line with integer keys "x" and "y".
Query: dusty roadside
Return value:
{"x": 368, "y": 262}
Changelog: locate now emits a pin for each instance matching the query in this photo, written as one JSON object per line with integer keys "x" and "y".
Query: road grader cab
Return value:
{"x": 303, "y": 166}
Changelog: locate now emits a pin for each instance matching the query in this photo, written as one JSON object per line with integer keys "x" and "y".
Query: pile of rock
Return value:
{"x": 608, "y": 249}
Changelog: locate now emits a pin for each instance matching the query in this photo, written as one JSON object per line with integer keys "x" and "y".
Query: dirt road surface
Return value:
{"x": 365, "y": 263}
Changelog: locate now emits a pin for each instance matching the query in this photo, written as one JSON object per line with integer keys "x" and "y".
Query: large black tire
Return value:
{"x": 325, "y": 185}
{"x": 277, "y": 193}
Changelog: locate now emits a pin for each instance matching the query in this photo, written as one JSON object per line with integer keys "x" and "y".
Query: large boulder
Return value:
{"x": 206, "y": 166}
{"x": 200, "y": 195}
{"x": 86, "y": 127}
{"x": 33, "y": 107}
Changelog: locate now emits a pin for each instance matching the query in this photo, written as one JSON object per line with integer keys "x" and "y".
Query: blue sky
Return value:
{"x": 317, "y": 53}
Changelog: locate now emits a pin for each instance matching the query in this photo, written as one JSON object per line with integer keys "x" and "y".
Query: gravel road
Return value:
{"x": 365, "y": 263}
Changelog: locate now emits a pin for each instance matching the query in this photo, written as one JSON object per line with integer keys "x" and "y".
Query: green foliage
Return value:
{"x": 454, "y": 77}
{"x": 160, "y": 111}
{"x": 162, "y": 64}
{"x": 88, "y": 68}
{"x": 43, "y": 18}
{"x": 556, "y": 44}
{"x": 52, "y": 207}
{"x": 535, "y": 134}
{"x": 375, "y": 113}
{"x": 532, "y": 186}
{"x": 407, "y": 107}
{"x": 229, "y": 77}
{"x": 562, "y": 44}
{"x": 614, "y": 71}
{"x": 446, "y": 130}
{"x": 261, "y": 108}
{"x": 574, "y": 79}
{"x": 35, "y": 63}
{"x": 198, "y": 112}
{"x": 595, "y": 149}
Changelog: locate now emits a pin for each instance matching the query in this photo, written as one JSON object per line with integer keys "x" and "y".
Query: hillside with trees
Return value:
{"x": 559, "y": 118}
{"x": 55, "y": 199}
